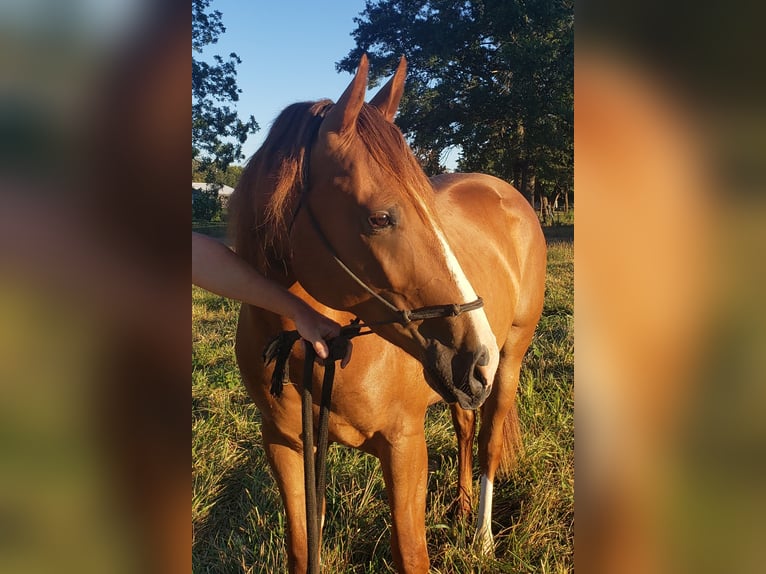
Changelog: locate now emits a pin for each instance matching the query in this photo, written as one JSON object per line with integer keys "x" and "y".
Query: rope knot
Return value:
{"x": 338, "y": 347}
{"x": 278, "y": 350}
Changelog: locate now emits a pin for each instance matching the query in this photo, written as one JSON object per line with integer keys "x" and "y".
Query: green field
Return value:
{"x": 237, "y": 515}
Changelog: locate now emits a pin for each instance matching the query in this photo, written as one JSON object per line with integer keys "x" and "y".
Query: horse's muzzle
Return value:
{"x": 458, "y": 376}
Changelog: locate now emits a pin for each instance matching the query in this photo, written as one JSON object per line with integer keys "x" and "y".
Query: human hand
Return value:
{"x": 315, "y": 328}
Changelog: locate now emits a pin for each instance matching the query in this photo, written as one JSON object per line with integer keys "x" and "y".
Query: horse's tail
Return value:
{"x": 513, "y": 446}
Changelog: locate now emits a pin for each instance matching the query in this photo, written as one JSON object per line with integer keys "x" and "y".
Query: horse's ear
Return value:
{"x": 343, "y": 114}
{"x": 387, "y": 99}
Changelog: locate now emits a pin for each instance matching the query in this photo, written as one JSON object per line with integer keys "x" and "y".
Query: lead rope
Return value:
{"x": 309, "y": 470}
{"x": 314, "y": 466}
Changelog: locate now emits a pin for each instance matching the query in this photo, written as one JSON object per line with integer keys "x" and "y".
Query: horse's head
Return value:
{"x": 369, "y": 206}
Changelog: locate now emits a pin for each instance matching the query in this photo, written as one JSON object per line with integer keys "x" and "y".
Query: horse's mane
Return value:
{"x": 266, "y": 197}
{"x": 271, "y": 182}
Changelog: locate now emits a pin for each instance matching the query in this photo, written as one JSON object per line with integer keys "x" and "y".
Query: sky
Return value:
{"x": 288, "y": 49}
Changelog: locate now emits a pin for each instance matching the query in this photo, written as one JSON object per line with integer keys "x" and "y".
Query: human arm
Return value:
{"x": 217, "y": 268}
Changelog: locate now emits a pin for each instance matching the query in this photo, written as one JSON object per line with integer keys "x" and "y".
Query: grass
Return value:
{"x": 237, "y": 514}
{"x": 563, "y": 217}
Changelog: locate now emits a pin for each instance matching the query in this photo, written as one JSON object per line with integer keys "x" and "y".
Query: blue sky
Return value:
{"x": 288, "y": 50}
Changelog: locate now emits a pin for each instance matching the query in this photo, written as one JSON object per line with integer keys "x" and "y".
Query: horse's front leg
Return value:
{"x": 287, "y": 466}
{"x": 405, "y": 470}
{"x": 499, "y": 437}
{"x": 465, "y": 428}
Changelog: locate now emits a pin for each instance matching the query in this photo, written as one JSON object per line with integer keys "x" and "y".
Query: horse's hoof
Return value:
{"x": 484, "y": 542}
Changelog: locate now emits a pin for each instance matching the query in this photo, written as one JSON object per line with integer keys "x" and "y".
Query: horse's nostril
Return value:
{"x": 480, "y": 372}
{"x": 476, "y": 384}
{"x": 482, "y": 358}
{"x": 479, "y": 376}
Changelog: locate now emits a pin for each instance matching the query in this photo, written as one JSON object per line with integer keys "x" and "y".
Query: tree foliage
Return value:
{"x": 217, "y": 131}
{"x": 206, "y": 205}
{"x": 229, "y": 176}
{"x": 494, "y": 77}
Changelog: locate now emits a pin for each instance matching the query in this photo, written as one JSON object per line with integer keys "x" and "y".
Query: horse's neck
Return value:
{"x": 279, "y": 271}
{"x": 270, "y": 263}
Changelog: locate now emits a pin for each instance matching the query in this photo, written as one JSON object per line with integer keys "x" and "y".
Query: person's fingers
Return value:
{"x": 331, "y": 329}
{"x": 321, "y": 348}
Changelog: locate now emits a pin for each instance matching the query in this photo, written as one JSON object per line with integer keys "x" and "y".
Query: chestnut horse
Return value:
{"x": 337, "y": 185}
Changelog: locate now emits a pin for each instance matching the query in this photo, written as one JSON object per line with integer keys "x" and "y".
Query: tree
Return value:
{"x": 206, "y": 205}
{"x": 494, "y": 77}
{"x": 229, "y": 176}
{"x": 217, "y": 131}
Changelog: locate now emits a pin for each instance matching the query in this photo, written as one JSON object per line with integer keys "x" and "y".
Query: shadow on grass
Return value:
{"x": 563, "y": 232}
{"x": 229, "y": 524}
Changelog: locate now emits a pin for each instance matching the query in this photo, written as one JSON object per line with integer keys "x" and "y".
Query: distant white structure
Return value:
{"x": 224, "y": 192}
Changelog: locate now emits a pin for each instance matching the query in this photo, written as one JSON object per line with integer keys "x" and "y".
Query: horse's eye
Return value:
{"x": 380, "y": 220}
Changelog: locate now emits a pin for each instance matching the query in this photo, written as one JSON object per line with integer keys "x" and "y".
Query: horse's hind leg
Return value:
{"x": 465, "y": 428}
{"x": 405, "y": 470}
{"x": 499, "y": 436}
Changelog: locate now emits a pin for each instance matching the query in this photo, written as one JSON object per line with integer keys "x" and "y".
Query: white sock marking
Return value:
{"x": 483, "y": 535}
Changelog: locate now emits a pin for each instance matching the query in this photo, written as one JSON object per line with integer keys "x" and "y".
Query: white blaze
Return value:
{"x": 477, "y": 317}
